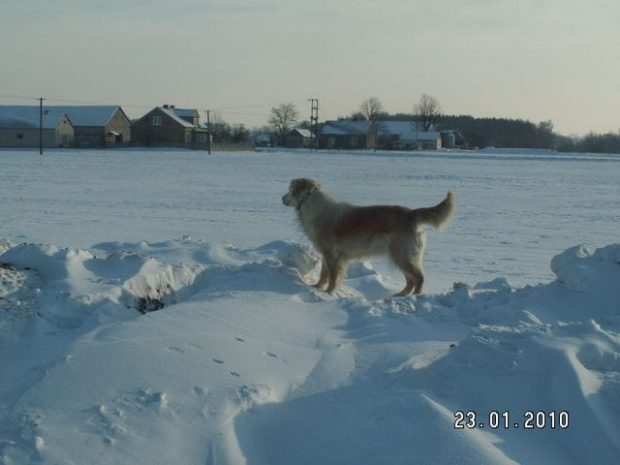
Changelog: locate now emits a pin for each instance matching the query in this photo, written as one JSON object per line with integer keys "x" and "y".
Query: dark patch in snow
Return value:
{"x": 149, "y": 304}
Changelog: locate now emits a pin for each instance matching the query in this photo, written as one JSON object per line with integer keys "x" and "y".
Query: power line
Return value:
{"x": 228, "y": 110}
{"x": 17, "y": 97}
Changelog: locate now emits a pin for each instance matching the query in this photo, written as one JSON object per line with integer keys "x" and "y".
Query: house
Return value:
{"x": 347, "y": 134}
{"x": 169, "y": 126}
{"x": 20, "y": 126}
{"x": 406, "y": 135}
{"x": 98, "y": 126}
{"x": 299, "y": 138}
{"x": 263, "y": 140}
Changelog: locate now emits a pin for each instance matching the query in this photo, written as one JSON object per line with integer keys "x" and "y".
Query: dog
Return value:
{"x": 342, "y": 232}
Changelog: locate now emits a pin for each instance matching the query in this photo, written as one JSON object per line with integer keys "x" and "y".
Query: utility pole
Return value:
{"x": 40, "y": 126}
{"x": 209, "y": 131}
{"x": 314, "y": 120}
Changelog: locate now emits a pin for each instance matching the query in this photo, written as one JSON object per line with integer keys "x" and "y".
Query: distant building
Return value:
{"x": 263, "y": 140}
{"x": 299, "y": 138}
{"x": 20, "y": 127}
{"x": 169, "y": 126}
{"x": 384, "y": 135}
{"x": 98, "y": 126}
{"x": 92, "y": 126}
{"x": 347, "y": 135}
{"x": 406, "y": 135}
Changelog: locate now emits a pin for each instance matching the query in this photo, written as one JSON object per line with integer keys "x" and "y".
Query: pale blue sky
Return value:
{"x": 530, "y": 59}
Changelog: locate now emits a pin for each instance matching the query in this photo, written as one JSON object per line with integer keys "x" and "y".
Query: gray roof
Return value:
{"x": 185, "y": 112}
{"x": 27, "y": 116}
{"x": 89, "y": 115}
{"x": 345, "y": 127}
{"x": 406, "y": 130}
{"x": 302, "y": 132}
{"x": 172, "y": 112}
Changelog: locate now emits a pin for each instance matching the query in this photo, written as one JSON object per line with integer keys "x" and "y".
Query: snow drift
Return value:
{"x": 191, "y": 352}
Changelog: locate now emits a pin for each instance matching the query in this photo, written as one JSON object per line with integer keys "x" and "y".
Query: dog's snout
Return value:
{"x": 285, "y": 199}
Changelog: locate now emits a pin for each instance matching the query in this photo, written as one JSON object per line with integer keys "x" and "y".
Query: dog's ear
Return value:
{"x": 301, "y": 185}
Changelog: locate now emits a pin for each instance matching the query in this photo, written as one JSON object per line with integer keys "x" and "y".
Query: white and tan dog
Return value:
{"x": 342, "y": 232}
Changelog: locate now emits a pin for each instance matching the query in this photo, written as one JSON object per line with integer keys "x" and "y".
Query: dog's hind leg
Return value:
{"x": 409, "y": 286}
{"x": 409, "y": 262}
{"x": 414, "y": 279}
{"x": 418, "y": 279}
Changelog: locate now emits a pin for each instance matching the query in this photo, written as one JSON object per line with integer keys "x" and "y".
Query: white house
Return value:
{"x": 406, "y": 135}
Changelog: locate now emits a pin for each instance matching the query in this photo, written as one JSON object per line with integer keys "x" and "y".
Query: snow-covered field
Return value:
{"x": 154, "y": 310}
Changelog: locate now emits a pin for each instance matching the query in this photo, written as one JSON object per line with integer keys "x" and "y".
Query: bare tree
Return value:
{"x": 371, "y": 108}
{"x": 428, "y": 111}
{"x": 283, "y": 118}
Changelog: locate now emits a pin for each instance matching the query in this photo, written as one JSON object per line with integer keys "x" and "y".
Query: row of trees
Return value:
{"x": 593, "y": 143}
{"x": 221, "y": 131}
{"x": 497, "y": 132}
{"x": 474, "y": 132}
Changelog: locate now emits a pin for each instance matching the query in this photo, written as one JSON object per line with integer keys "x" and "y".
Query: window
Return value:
{"x": 156, "y": 121}
{"x": 20, "y": 135}
{"x": 331, "y": 142}
{"x": 354, "y": 141}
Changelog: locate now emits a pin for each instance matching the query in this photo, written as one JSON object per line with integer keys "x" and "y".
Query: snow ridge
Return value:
{"x": 185, "y": 351}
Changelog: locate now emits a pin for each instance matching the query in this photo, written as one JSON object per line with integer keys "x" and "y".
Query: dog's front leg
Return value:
{"x": 324, "y": 275}
{"x": 337, "y": 268}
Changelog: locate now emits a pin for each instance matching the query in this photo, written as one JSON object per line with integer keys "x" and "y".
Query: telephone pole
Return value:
{"x": 314, "y": 120}
{"x": 41, "y": 126}
{"x": 209, "y": 131}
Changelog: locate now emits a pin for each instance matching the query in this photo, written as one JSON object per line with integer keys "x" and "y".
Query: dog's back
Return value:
{"x": 375, "y": 221}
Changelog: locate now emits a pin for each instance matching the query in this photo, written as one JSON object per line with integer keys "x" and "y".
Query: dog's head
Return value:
{"x": 298, "y": 192}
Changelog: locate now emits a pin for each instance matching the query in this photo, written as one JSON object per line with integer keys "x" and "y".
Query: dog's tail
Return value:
{"x": 437, "y": 216}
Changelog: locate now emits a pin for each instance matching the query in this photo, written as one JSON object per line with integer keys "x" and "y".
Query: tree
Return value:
{"x": 239, "y": 133}
{"x": 283, "y": 118}
{"x": 371, "y": 108}
{"x": 428, "y": 111}
{"x": 546, "y": 137}
{"x": 220, "y": 129}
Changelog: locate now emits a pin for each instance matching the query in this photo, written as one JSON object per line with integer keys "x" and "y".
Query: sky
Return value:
{"x": 538, "y": 60}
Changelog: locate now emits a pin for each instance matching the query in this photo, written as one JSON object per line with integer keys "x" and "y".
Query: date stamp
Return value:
{"x": 529, "y": 420}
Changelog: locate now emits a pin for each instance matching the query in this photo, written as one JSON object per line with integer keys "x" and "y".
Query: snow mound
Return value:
{"x": 582, "y": 268}
{"x": 244, "y": 363}
{"x": 297, "y": 256}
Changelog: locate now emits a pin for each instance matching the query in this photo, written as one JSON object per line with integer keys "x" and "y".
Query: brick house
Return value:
{"x": 169, "y": 126}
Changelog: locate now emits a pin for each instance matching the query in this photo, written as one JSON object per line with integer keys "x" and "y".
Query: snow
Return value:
{"x": 154, "y": 308}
